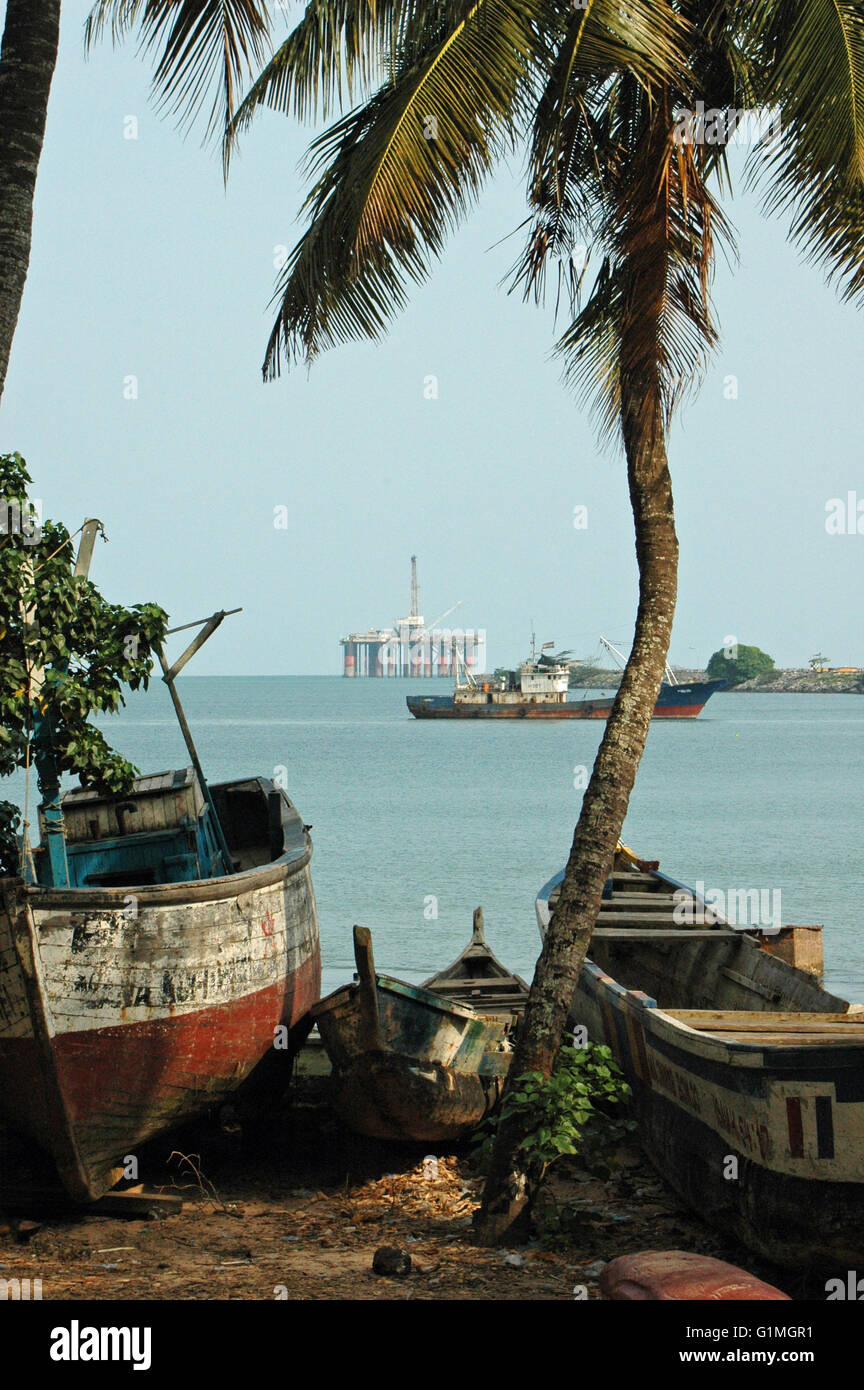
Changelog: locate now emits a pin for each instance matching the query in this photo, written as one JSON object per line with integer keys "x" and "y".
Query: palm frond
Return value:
{"x": 648, "y": 315}
{"x": 593, "y": 47}
{"x": 647, "y": 38}
{"x": 813, "y": 64}
{"x": 397, "y": 174}
{"x": 337, "y": 46}
{"x": 205, "y": 50}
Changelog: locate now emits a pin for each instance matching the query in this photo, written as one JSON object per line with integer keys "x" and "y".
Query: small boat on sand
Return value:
{"x": 747, "y": 1075}
{"x": 142, "y": 993}
{"x": 158, "y": 951}
{"x": 421, "y": 1062}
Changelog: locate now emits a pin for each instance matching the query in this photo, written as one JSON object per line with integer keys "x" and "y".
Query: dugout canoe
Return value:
{"x": 153, "y": 985}
{"x": 422, "y": 1063}
{"x": 747, "y": 1075}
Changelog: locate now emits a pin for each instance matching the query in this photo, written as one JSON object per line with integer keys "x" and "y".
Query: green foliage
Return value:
{"x": 202, "y": 51}
{"x": 434, "y": 96}
{"x": 746, "y": 663}
{"x": 10, "y": 821}
{"x": 565, "y": 1112}
{"x": 88, "y": 650}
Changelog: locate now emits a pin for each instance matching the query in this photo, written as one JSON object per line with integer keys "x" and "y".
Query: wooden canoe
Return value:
{"x": 421, "y": 1063}
{"x": 128, "y": 1009}
{"x": 747, "y": 1075}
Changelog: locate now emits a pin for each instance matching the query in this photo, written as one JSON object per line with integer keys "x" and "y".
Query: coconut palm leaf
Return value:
{"x": 813, "y": 55}
{"x": 570, "y": 133}
{"x": 337, "y": 46}
{"x": 338, "y": 42}
{"x": 204, "y": 49}
{"x": 398, "y": 174}
{"x": 661, "y": 343}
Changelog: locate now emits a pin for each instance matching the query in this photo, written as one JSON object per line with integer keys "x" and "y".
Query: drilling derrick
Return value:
{"x": 410, "y": 647}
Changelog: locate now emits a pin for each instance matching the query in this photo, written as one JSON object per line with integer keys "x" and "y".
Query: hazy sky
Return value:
{"x": 144, "y": 266}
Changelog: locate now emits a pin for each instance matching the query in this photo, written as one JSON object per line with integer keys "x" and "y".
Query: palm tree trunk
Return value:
{"x": 27, "y": 61}
{"x": 505, "y": 1211}
{"x": 506, "y": 1197}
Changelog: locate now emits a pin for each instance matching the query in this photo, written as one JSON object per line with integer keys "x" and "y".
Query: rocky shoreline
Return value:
{"x": 792, "y": 682}
{"x": 804, "y": 682}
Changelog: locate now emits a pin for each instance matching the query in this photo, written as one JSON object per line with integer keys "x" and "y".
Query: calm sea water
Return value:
{"x": 417, "y": 823}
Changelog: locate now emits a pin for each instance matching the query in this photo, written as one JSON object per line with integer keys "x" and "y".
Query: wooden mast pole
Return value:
{"x": 208, "y": 627}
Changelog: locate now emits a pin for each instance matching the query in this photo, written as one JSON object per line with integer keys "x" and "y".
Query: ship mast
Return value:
{"x": 169, "y": 674}
{"x": 414, "y": 610}
{"x": 670, "y": 674}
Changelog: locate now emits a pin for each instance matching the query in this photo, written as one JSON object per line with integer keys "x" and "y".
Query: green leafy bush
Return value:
{"x": 567, "y": 1112}
{"x": 89, "y": 650}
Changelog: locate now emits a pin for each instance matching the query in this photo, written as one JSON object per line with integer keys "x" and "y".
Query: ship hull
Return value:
{"x": 123, "y": 1015}
{"x": 673, "y": 702}
{"x": 412, "y": 1065}
{"x": 747, "y": 1077}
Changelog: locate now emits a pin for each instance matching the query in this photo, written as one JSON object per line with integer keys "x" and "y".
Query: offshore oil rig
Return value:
{"x": 412, "y": 647}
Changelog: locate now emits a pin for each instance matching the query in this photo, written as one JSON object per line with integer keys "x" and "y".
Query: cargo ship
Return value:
{"x": 539, "y": 690}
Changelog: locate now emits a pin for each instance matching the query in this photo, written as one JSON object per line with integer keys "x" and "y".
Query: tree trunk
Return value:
{"x": 27, "y": 61}
{"x": 505, "y": 1211}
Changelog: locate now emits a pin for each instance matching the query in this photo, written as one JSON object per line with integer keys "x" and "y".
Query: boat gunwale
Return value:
{"x": 417, "y": 993}
{"x": 735, "y": 1050}
{"x": 192, "y": 890}
{"x": 710, "y": 1044}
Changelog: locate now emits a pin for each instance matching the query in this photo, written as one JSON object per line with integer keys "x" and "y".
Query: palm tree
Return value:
{"x": 599, "y": 91}
{"x": 594, "y": 89}
{"x": 27, "y": 60}
{"x": 202, "y": 50}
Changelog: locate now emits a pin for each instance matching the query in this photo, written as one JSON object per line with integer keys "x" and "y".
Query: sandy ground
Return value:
{"x": 299, "y": 1212}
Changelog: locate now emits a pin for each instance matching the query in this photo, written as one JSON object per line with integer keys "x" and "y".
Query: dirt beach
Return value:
{"x": 297, "y": 1212}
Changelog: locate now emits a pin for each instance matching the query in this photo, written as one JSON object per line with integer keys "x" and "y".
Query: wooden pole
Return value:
{"x": 365, "y": 963}
{"x": 196, "y": 761}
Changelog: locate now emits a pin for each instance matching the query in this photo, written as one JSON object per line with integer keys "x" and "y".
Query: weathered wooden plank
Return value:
{"x": 788, "y": 1025}
{"x": 135, "y": 1201}
{"x": 664, "y": 934}
{"x": 617, "y": 918}
{"x": 788, "y": 1039}
{"x": 708, "y": 1017}
{"x": 657, "y": 901}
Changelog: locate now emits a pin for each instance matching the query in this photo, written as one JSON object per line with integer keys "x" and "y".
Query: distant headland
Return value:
{"x": 747, "y": 669}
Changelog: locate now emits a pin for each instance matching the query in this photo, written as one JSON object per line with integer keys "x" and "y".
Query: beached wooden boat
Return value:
{"x": 476, "y": 977}
{"x": 156, "y": 950}
{"x": 747, "y": 1076}
{"x": 152, "y": 984}
{"x": 427, "y": 1062}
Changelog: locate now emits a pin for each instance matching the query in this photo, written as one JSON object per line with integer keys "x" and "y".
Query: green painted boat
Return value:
{"x": 419, "y": 1062}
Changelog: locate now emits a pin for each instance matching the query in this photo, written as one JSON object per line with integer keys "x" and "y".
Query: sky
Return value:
{"x": 135, "y": 395}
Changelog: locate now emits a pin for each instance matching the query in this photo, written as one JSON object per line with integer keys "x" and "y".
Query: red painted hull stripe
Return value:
{"x": 122, "y": 1083}
{"x": 795, "y": 1126}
